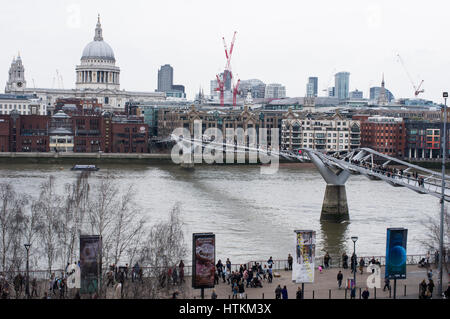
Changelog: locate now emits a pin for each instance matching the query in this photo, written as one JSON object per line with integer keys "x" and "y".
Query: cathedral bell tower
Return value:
{"x": 16, "y": 81}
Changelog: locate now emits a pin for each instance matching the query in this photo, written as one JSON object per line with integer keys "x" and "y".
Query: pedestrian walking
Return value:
{"x": 387, "y": 284}
{"x": 278, "y": 292}
{"x": 284, "y": 292}
{"x": 290, "y": 261}
{"x": 326, "y": 260}
{"x": 430, "y": 287}
{"x": 270, "y": 262}
{"x": 340, "y": 277}
{"x": 241, "y": 289}
{"x": 365, "y": 294}
{"x": 361, "y": 265}
{"x": 344, "y": 261}
{"x": 423, "y": 289}
{"x": 228, "y": 263}
{"x": 299, "y": 294}
{"x": 34, "y": 288}
{"x": 235, "y": 289}
{"x": 214, "y": 294}
{"x": 181, "y": 267}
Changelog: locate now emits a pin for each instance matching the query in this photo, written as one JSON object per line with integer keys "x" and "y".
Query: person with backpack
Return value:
{"x": 235, "y": 289}
{"x": 270, "y": 262}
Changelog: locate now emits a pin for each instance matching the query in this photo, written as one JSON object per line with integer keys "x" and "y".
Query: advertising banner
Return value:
{"x": 203, "y": 260}
{"x": 90, "y": 263}
{"x": 396, "y": 253}
{"x": 305, "y": 247}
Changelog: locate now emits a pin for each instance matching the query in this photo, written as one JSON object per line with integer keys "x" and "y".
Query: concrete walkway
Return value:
{"x": 325, "y": 283}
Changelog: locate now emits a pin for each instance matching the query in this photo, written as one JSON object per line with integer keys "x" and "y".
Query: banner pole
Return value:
{"x": 395, "y": 287}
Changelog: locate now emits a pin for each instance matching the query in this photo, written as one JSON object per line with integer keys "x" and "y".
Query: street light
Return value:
{"x": 354, "y": 239}
{"x": 441, "y": 227}
{"x": 27, "y": 285}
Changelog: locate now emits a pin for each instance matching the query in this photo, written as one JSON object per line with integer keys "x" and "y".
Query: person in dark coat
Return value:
{"x": 299, "y": 294}
{"x": 278, "y": 292}
{"x": 365, "y": 294}
{"x": 284, "y": 292}
{"x": 340, "y": 277}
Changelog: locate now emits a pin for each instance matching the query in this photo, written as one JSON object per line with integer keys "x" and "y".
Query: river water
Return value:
{"x": 254, "y": 216}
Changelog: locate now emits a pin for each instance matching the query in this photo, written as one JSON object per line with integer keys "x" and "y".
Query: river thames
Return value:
{"x": 254, "y": 216}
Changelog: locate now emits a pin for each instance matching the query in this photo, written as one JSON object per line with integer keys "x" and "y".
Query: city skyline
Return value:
{"x": 54, "y": 41}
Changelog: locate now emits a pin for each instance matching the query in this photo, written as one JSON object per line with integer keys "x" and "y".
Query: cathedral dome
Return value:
{"x": 98, "y": 49}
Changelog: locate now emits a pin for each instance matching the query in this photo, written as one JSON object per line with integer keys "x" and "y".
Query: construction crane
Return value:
{"x": 417, "y": 89}
{"x": 229, "y": 54}
{"x": 221, "y": 88}
{"x": 330, "y": 79}
{"x": 235, "y": 92}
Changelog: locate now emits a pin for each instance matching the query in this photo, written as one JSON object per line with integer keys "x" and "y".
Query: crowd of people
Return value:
{"x": 391, "y": 172}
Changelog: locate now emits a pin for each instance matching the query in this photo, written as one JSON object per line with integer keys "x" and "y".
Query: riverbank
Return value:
{"x": 102, "y": 158}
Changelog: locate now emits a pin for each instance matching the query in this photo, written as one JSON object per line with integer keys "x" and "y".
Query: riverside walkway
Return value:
{"x": 325, "y": 286}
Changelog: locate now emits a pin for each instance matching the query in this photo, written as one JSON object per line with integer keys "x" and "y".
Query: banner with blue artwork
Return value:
{"x": 396, "y": 253}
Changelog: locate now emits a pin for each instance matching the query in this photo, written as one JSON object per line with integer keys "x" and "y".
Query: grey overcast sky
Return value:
{"x": 277, "y": 41}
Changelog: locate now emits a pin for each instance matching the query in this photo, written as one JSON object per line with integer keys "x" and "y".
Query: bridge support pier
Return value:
{"x": 334, "y": 207}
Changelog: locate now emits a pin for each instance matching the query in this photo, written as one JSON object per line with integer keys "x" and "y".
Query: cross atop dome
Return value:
{"x": 98, "y": 31}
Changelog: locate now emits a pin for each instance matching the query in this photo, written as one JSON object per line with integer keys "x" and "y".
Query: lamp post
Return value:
{"x": 27, "y": 284}
{"x": 441, "y": 226}
{"x": 354, "y": 239}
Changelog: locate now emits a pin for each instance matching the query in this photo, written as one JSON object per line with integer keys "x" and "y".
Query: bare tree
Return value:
{"x": 11, "y": 217}
{"x": 73, "y": 213}
{"x": 164, "y": 248}
{"x": 126, "y": 227}
{"x": 432, "y": 236}
{"x": 49, "y": 207}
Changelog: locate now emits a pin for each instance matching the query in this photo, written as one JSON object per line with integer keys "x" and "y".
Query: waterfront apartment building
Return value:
{"x": 320, "y": 132}
{"x": 171, "y": 118}
{"x": 424, "y": 140}
{"x": 384, "y": 134}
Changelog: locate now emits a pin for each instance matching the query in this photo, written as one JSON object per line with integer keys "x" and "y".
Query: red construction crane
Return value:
{"x": 221, "y": 88}
{"x": 417, "y": 89}
{"x": 229, "y": 54}
{"x": 235, "y": 92}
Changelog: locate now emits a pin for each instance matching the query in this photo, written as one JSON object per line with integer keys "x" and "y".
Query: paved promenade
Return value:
{"x": 325, "y": 283}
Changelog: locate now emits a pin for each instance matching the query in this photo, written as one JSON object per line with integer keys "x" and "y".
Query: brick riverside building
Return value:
{"x": 78, "y": 133}
{"x": 24, "y": 133}
{"x": 386, "y": 135}
{"x": 128, "y": 135}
